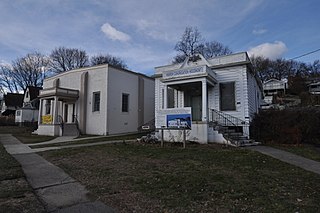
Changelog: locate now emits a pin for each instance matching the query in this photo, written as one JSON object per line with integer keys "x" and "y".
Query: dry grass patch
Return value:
{"x": 200, "y": 178}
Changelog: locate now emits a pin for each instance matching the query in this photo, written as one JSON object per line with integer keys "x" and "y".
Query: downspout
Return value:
{"x": 83, "y": 102}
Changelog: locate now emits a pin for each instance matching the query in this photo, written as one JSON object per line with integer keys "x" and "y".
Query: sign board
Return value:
{"x": 174, "y": 118}
{"x": 184, "y": 72}
{"x": 179, "y": 121}
{"x": 46, "y": 119}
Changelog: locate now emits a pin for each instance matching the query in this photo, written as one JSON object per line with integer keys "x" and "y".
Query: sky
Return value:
{"x": 144, "y": 32}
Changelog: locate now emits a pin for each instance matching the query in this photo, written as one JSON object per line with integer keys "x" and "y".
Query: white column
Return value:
{"x": 40, "y": 111}
{"x": 204, "y": 100}
{"x": 165, "y": 97}
{"x": 55, "y": 110}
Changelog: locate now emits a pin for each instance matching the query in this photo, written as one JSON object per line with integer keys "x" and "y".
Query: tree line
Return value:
{"x": 284, "y": 69}
{"x": 32, "y": 69}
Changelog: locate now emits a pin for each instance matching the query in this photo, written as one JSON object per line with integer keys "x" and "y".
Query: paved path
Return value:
{"x": 56, "y": 189}
{"x": 304, "y": 163}
{"x": 78, "y": 145}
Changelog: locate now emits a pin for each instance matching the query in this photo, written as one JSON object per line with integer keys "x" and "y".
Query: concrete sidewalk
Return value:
{"x": 55, "y": 189}
{"x": 296, "y": 160}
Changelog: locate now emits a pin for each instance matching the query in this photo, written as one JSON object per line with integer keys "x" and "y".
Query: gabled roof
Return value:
{"x": 273, "y": 79}
{"x": 33, "y": 91}
{"x": 13, "y": 99}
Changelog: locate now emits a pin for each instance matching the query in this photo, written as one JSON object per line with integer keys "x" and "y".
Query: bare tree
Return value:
{"x": 64, "y": 59}
{"x": 192, "y": 43}
{"x": 29, "y": 70}
{"x": 107, "y": 59}
{"x": 6, "y": 80}
{"x": 215, "y": 48}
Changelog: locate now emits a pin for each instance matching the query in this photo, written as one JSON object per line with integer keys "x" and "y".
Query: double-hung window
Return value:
{"x": 227, "y": 96}
{"x": 96, "y": 102}
{"x": 125, "y": 102}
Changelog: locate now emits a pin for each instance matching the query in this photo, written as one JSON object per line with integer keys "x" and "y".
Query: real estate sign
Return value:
{"x": 174, "y": 118}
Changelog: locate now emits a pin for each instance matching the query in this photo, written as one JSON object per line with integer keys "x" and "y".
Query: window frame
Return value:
{"x": 125, "y": 104}
{"x": 222, "y": 106}
{"x": 96, "y": 102}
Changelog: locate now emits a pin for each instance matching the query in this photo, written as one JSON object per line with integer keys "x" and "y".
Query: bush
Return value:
{"x": 289, "y": 126}
{"x": 7, "y": 120}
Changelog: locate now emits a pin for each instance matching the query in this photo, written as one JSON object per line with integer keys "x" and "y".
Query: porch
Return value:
{"x": 58, "y": 112}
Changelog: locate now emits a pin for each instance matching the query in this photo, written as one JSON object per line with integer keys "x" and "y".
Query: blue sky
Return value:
{"x": 143, "y": 32}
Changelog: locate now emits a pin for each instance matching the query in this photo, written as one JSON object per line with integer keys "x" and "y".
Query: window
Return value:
{"x": 96, "y": 102}
{"x": 27, "y": 95}
{"x": 227, "y": 96}
{"x": 170, "y": 97}
{"x": 125, "y": 102}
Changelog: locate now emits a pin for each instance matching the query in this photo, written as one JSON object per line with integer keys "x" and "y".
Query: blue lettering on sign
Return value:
{"x": 183, "y": 72}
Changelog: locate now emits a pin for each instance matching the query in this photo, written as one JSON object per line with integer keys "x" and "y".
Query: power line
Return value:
{"x": 305, "y": 54}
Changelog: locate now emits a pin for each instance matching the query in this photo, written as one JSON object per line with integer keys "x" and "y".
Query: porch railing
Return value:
{"x": 224, "y": 119}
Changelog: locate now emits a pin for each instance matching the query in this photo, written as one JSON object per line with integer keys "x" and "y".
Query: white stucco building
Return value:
{"x": 100, "y": 100}
{"x": 221, "y": 92}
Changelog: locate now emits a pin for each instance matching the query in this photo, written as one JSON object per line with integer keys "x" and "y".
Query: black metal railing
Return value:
{"x": 61, "y": 123}
{"x": 224, "y": 119}
{"x": 75, "y": 120}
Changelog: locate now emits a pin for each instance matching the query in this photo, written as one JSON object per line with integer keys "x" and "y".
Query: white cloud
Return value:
{"x": 113, "y": 33}
{"x": 259, "y": 31}
{"x": 269, "y": 50}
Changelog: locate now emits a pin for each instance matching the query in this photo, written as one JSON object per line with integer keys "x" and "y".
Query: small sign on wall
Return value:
{"x": 46, "y": 119}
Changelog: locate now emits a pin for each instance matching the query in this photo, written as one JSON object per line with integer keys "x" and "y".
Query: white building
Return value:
{"x": 274, "y": 86}
{"x": 218, "y": 93}
{"x": 100, "y": 100}
{"x": 30, "y": 109}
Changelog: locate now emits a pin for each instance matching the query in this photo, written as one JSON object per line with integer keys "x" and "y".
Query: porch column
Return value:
{"x": 55, "y": 110}
{"x": 204, "y": 100}
{"x": 40, "y": 112}
{"x": 165, "y": 96}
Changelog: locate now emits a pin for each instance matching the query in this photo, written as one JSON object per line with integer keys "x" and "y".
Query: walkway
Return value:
{"x": 56, "y": 190}
{"x": 304, "y": 163}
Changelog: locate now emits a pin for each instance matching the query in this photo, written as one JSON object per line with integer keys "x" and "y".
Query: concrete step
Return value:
{"x": 70, "y": 130}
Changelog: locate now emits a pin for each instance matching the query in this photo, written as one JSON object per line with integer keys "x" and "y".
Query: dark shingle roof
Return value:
{"x": 13, "y": 99}
{"x": 33, "y": 92}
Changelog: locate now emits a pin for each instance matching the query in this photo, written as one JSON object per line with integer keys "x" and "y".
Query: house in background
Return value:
{"x": 10, "y": 103}
{"x": 99, "y": 100}
{"x": 30, "y": 109}
{"x": 221, "y": 95}
{"x": 314, "y": 88}
{"x": 274, "y": 86}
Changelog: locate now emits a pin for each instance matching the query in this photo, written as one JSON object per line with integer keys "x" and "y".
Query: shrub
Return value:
{"x": 290, "y": 126}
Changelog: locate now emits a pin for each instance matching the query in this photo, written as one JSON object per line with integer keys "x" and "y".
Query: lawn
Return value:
{"x": 304, "y": 150}
{"x": 24, "y": 134}
{"x": 87, "y": 140}
{"x": 133, "y": 177}
{"x": 15, "y": 193}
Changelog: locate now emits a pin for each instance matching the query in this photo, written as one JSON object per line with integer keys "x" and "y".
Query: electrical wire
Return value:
{"x": 305, "y": 54}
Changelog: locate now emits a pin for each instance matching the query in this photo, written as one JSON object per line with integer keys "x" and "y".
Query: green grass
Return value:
{"x": 200, "y": 178}
{"x": 304, "y": 150}
{"x": 94, "y": 140}
{"x": 24, "y": 135}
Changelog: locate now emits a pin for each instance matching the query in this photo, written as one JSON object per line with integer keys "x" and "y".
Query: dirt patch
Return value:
{"x": 17, "y": 196}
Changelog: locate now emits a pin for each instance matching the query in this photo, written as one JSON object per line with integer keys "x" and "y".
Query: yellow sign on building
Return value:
{"x": 46, "y": 119}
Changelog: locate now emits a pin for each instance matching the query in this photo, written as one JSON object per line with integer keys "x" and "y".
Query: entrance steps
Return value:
{"x": 234, "y": 137}
{"x": 70, "y": 129}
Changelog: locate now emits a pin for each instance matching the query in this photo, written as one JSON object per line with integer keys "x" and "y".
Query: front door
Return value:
{"x": 69, "y": 112}
{"x": 196, "y": 108}
{"x": 65, "y": 118}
